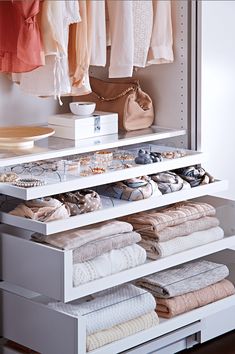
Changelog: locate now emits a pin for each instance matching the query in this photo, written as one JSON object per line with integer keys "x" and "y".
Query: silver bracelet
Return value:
{"x": 28, "y": 182}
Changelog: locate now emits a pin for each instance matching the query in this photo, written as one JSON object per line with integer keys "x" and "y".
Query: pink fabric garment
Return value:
{"x": 20, "y": 42}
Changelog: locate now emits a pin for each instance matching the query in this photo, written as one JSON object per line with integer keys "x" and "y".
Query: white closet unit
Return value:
{"x": 34, "y": 274}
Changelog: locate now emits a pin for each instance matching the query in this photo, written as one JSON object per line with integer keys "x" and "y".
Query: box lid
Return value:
{"x": 70, "y": 120}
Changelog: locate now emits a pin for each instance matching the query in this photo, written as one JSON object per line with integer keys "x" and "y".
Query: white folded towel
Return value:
{"x": 110, "y": 307}
{"x": 108, "y": 263}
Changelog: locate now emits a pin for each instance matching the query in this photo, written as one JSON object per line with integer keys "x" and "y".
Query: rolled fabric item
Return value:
{"x": 168, "y": 308}
{"x": 98, "y": 247}
{"x": 122, "y": 330}
{"x": 68, "y": 240}
{"x": 184, "y": 278}
{"x": 156, "y": 249}
{"x": 169, "y": 182}
{"x": 80, "y": 202}
{"x": 108, "y": 263}
{"x": 184, "y": 229}
{"x": 195, "y": 175}
{"x": 125, "y": 190}
{"x": 43, "y": 209}
{"x": 113, "y": 306}
{"x": 159, "y": 219}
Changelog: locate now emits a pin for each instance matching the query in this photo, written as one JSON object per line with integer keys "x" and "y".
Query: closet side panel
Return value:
{"x": 168, "y": 84}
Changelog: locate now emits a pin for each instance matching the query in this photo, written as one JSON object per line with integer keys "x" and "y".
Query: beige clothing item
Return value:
{"x": 180, "y": 304}
{"x": 160, "y": 50}
{"x": 79, "y": 52}
{"x": 125, "y": 329}
{"x": 98, "y": 46}
{"x": 120, "y": 16}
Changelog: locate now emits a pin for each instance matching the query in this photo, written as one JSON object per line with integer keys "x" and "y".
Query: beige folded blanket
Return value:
{"x": 180, "y": 304}
{"x": 76, "y": 238}
{"x": 125, "y": 329}
{"x": 184, "y": 278}
{"x": 108, "y": 263}
{"x": 156, "y": 249}
{"x": 98, "y": 247}
{"x": 157, "y": 220}
{"x": 184, "y": 229}
{"x": 43, "y": 209}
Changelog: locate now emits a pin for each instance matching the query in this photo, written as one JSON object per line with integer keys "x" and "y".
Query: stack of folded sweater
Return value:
{"x": 177, "y": 228}
{"x": 113, "y": 314}
{"x": 182, "y": 289}
{"x": 99, "y": 250}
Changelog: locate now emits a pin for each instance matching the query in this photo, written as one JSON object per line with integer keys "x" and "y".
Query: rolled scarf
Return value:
{"x": 195, "y": 175}
{"x": 169, "y": 182}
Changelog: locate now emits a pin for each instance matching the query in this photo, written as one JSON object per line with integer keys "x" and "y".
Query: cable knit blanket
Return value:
{"x": 109, "y": 308}
{"x": 108, "y": 263}
{"x": 184, "y": 279}
{"x": 180, "y": 304}
{"x": 42, "y": 209}
{"x": 98, "y": 247}
{"x": 184, "y": 229}
{"x": 157, "y": 220}
{"x": 76, "y": 238}
{"x": 156, "y": 249}
{"x": 126, "y": 329}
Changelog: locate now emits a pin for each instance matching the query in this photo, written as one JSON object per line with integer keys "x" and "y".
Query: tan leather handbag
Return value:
{"x": 125, "y": 97}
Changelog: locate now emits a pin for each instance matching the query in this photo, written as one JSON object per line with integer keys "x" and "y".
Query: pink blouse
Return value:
{"x": 20, "y": 42}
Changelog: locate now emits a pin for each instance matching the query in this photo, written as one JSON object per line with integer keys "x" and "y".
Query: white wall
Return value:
{"x": 218, "y": 89}
{"x": 16, "y": 108}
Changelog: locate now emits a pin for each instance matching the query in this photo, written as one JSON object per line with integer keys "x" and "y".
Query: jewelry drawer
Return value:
{"x": 49, "y": 270}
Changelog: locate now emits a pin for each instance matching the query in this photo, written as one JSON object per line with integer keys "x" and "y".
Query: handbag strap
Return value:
{"x": 122, "y": 94}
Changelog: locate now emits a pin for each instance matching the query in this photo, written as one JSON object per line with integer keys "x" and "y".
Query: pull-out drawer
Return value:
{"x": 49, "y": 271}
{"x": 28, "y": 320}
{"x": 111, "y": 208}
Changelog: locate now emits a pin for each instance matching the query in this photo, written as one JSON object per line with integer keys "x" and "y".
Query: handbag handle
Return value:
{"x": 131, "y": 88}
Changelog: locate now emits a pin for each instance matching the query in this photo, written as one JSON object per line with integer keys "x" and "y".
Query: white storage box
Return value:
{"x": 70, "y": 126}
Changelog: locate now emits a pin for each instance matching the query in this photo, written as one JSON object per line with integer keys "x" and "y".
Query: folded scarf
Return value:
{"x": 180, "y": 304}
{"x": 109, "y": 308}
{"x": 157, "y": 220}
{"x": 108, "y": 263}
{"x": 184, "y": 279}
{"x": 195, "y": 175}
{"x": 169, "y": 182}
{"x": 156, "y": 249}
{"x": 80, "y": 202}
{"x": 76, "y": 238}
{"x": 122, "y": 330}
{"x": 124, "y": 190}
{"x": 98, "y": 247}
{"x": 43, "y": 209}
{"x": 184, "y": 229}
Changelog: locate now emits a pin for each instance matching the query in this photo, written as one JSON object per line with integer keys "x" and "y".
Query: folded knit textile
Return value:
{"x": 108, "y": 263}
{"x": 123, "y": 190}
{"x": 184, "y": 229}
{"x": 80, "y": 202}
{"x": 180, "y": 304}
{"x": 157, "y": 220}
{"x": 169, "y": 182}
{"x": 112, "y": 307}
{"x": 98, "y": 247}
{"x": 42, "y": 209}
{"x": 195, "y": 175}
{"x": 78, "y": 237}
{"x": 122, "y": 330}
{"x": 156, "y": 249}
{"x": 184, "y": 278}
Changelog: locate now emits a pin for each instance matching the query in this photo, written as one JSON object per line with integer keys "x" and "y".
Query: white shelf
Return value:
{"x": 112, "y": 208}
{"x": 53, "y": 147}
{"x": 75, "y": 182}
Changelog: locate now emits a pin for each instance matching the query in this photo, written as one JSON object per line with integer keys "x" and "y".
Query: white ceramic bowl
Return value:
{"x": 82, "y": 108}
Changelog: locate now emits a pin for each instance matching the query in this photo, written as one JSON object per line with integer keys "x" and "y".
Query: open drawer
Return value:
{"x": 28, "y": 320}
{"x": 50, "y": 271}
{"x": 111, "y": 208}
